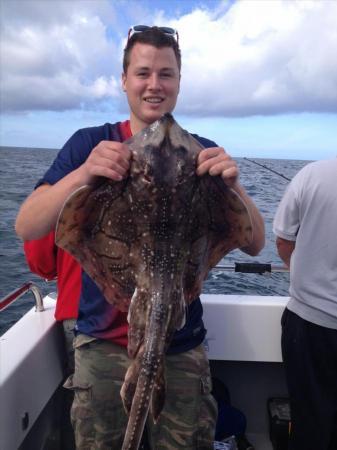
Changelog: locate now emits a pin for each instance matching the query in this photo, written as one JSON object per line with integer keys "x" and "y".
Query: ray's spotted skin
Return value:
{"x": 149, "y": 242}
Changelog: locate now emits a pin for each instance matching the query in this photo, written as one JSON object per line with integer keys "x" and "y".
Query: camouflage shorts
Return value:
{"x": 186, "y": 422}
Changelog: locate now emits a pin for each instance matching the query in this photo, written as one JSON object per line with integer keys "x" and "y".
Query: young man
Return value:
{"x": 305, "y": 226}
{"x": 151, "y": 80}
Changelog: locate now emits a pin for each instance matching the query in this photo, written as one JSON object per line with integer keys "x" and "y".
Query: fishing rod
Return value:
{"x": 267, "y": 168}
{"x": 259, "y": 268}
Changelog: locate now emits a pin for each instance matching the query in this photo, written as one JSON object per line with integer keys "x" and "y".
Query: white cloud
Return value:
{"x": 55, "y": 61}
{"x": 246, "y": 58}
{"x": 262, "y": 57}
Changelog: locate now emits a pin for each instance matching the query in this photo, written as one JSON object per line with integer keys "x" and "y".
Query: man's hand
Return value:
{"x": 216, "y": 161}
{"x": 108, "y": 159}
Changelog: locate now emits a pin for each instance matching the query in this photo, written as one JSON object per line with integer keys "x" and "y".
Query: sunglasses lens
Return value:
{"x": 140, "y": 28}
{"x": 167, "y": 30}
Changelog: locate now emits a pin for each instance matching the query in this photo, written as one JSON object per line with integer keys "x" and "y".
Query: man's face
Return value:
{"x": 151, "y": 84}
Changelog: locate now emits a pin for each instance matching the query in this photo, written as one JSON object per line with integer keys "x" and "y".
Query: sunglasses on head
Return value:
{"x": 141, "y": 28}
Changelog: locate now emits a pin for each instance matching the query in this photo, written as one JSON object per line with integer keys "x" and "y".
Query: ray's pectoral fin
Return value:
{"x": 223, "y": 224}
{"x": 230, "y": 224}
{"x": 73, "y": 214}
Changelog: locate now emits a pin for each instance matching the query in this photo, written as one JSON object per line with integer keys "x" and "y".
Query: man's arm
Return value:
{"x": 285, "y": 249}
{"x": 216, "y": 161}
{"x": 258, "y": 240}
{"x": 39, "y": 212}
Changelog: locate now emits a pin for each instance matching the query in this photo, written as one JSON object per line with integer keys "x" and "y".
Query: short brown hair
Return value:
{"x": 155, "y": 37}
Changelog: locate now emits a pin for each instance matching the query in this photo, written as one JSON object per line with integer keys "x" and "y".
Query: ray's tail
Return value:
{"x": 147, "y": 394}
{"x": 144, "y": 385}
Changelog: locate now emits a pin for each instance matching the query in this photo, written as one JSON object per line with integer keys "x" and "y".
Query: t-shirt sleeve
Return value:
{"x": 71, "y": 156}
{"x": 41, "y": 256}
{"x": 207, "y": 143}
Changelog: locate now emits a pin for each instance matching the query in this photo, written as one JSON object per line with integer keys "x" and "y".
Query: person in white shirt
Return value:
{"x": 306, "y": 228}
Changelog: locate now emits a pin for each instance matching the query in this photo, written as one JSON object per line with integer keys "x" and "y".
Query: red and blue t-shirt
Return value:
{"x": 97, "y": 317}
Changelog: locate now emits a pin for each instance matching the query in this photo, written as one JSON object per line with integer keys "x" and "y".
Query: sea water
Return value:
{"x": 21, "y": 168}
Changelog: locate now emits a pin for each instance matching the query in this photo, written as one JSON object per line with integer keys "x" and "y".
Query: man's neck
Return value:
{"x": 137, "y": 125}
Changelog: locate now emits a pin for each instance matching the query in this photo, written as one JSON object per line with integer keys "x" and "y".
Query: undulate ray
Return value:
{"x": 153, "y": 237}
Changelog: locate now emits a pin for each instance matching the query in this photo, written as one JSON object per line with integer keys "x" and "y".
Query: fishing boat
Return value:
{"x": 243, "y": 345}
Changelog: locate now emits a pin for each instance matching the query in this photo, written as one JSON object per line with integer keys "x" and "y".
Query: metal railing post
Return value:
{"x": 17, "y": 293}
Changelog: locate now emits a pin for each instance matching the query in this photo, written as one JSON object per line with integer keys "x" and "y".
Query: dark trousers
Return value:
{"x": 310, "y": 358}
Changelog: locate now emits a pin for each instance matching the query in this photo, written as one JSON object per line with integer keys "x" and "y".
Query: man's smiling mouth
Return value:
{"x": 153, "y": 99}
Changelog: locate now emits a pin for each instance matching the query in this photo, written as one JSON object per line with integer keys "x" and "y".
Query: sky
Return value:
{"x": 259, "y": 77}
